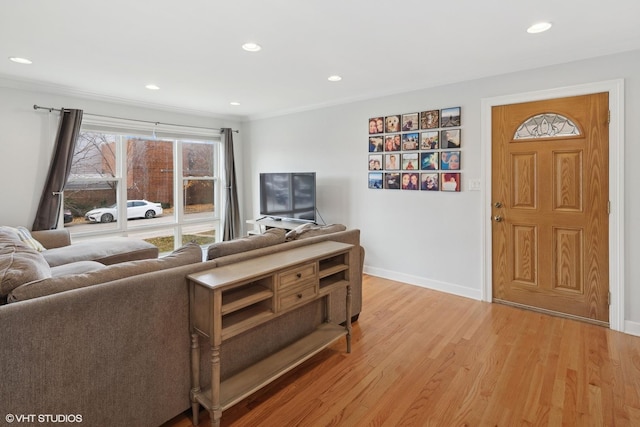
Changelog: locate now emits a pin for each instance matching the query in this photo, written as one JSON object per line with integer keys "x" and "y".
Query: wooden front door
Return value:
{"x": 550, "y": 202}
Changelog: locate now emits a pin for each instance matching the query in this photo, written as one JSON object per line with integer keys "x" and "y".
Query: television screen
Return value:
{"x": 288, "y": 195}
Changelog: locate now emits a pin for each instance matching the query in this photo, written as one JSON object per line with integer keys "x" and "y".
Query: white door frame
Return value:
{"x": 615, "y": 88}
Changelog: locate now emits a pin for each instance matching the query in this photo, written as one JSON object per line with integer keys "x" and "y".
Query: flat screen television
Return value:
{"x": 288, "y": 195}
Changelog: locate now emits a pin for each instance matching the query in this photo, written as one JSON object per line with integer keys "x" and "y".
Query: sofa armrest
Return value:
{"x": 52, "y": 238}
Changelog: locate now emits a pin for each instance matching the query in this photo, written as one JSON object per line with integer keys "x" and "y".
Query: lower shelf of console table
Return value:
{"x": 229, "y": 300}
{"x": 252, "y": 379}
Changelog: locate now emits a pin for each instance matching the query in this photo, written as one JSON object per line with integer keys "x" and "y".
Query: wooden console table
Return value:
{"x": 229, "y": 300}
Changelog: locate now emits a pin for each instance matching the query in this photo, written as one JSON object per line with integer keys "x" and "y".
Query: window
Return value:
{"x": 169, "y": 185}
{"x": 546, "y": 125}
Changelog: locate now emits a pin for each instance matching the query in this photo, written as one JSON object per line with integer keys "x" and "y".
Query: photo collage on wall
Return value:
{"x": 416, "y": 151}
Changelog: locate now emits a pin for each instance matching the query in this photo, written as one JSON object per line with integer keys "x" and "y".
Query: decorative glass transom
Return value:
{"x": 546, "y": 125}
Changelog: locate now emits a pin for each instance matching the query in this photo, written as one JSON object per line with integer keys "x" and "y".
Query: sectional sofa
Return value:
{"x": 111, "y": 344}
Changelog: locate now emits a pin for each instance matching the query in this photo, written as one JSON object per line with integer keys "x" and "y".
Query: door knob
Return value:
{"x": 497, "y": 218}
{"x": 498, "y": 205}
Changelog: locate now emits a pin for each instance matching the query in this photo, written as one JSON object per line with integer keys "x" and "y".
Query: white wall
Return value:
{"x": 27, "y": 140}
{"x": 430, "y": 239}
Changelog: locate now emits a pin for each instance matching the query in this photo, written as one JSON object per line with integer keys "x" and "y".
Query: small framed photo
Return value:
{"x": 392, "y": 142}
{"x": 375, "y": 180}
{"x": 410, "y": 181}
{"x": 450, "y": 138}
{"x": 429, "y": 182}
{"x": 410, "y": 122}
{"x": 392, "y": 181}
{"x": 429, "y": 140}
{"x": 375, "y": 162}
{"x": 429, "y": 161}
{"x": 430, "y": 119}
{"x": 450, "y": 117}
{"x": 450, "y": 181}
{"x": 450, "y": 160}
{"x": 410, "y": 141}
{"x": 410, "y": 161}
{"x": 392, "y": 123}
{"x": 376, "y": 125}
{"x": 375, "y": 144}
{"x": 391, "y": 161}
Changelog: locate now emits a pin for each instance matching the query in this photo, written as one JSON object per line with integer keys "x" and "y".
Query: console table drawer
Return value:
{"x": 296, "y": 276}
{"x": 296, "y": 296}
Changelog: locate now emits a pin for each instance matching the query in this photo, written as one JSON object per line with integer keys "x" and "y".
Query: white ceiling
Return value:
{"x": 192, "y": 48}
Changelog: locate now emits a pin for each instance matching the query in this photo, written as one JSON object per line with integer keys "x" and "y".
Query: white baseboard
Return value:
{"x": 424, "y": 283}
{"x": 631, "y": 328}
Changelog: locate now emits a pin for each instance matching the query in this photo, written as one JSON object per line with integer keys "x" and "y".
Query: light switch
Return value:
{"x": 474, "y": 185}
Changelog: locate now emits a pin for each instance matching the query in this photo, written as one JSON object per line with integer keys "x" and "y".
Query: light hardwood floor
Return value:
{"x": 426, "y": 358}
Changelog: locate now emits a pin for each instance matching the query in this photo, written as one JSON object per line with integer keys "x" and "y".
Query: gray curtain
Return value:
{"x": 51, "y": 199}
{"x": 232, "y": 214}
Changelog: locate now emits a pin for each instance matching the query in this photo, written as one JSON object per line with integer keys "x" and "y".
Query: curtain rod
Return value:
{"x": 50, "y": 109}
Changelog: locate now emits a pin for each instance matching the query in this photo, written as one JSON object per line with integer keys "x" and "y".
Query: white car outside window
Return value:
{"x": 135, "y": 209}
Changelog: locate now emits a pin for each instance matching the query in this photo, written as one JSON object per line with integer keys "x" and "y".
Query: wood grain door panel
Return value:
{"x": 550, "y": 195}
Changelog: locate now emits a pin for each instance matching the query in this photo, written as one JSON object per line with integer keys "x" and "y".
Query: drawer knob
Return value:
{"x": 299, "y": 296}
{"x": 298, "y": 275}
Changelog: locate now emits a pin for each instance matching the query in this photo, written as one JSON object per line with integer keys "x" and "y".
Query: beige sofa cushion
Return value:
{"x": 78, "y": 267}
{"x": 53, "y": 238}
{"x": 19, "y": 265}
{"x": 106, "y": 251}
{"x": 270, "y": 237}
{"x": 188, "y": 254}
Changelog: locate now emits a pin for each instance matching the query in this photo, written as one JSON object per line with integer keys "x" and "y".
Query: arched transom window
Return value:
{"x": 546, "y": 125}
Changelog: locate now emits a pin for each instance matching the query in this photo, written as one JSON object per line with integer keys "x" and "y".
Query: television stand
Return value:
{"x": 266, "y": 223}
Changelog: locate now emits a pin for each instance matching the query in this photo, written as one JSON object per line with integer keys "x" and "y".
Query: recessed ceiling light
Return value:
{"x": 251, "y": 47}
{"x": 20, "y": 60}
{"x": 152, "y": 87}
{"x": 334, "y": 78}
{"x": 234, "y": 103}
{"x": 539, "y": 27}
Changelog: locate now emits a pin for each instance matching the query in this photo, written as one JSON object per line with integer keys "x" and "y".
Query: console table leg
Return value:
{"x": 215, "y": 420}
{"x": 195, "y": 377}
{"x": 349, "y": 297}
{"x": 215, "y": 412}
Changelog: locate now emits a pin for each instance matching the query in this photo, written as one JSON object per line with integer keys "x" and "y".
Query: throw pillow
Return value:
{"x": 316, "y": 230}
{"x": 19, "y": 265}
{"x": 190, "y": 253}
{"x": 26, "y": 237}
{"x": 271, "y": 237}
{"x": 292, "y": 234}
{"x": 8, "y": 236}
